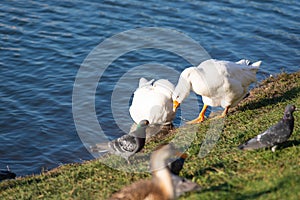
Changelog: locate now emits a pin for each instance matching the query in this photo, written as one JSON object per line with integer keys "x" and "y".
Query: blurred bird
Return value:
{"x": 181, "y": 184}
{"x": 130, "y": 144}
{"x": 275, "y": 135}
{"x": 220, "y": 83}
{"x": 7, "y": 174}
{"x": 177, "y": 165}
{"x": 162, "y": 186}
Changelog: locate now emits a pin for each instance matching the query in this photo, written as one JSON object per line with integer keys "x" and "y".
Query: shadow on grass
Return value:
{"x": 236, "y": 192}
{"x": 256, "y": 195}
{"x": 282, "y": 185}
{"x": 290, "y": 94}
{"x": 225, "y": 187}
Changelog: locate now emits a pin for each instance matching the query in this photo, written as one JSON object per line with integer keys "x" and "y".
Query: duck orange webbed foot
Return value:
{"x": 196, "y": 121}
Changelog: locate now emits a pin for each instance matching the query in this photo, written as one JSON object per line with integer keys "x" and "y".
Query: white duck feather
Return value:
{"x": 152, "y": 101}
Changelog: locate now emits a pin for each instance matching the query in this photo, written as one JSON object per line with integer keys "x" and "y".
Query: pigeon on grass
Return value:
{"x": 130, "y": 144}
{"x": 275, "y": 135}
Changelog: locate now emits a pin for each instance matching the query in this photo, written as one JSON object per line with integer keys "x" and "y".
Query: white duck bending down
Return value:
{"x": 220, "y": 83}
{"x": 161, "y": 186}
{"x": 153, "y": 101}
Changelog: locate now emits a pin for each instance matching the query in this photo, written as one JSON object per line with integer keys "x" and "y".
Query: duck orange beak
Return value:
{"x": 175, "y": 105}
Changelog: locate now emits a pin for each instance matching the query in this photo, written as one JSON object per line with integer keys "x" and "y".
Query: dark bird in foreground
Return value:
{"x": 130, "y": 144}
{"x": 161, "y": 186}
{"x": 275, "y": 135}
{"x": 6, "y": 174}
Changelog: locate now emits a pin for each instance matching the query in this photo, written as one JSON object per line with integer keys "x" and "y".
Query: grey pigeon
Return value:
{"x": 130, "y": 144}
{"x": 275, "y": 135}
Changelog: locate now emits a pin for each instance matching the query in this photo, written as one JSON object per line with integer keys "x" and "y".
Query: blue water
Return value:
{"x": 44, "y": 43}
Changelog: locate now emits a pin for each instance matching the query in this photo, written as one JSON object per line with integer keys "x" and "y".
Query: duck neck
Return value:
{"x": 184, "y": 86}
{"x": 164, "y": 180}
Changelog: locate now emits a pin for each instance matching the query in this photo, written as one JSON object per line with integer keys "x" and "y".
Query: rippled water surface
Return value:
{"x": 43, "y": 44}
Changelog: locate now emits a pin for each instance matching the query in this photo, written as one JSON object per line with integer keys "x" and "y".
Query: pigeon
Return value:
{"x": 275, "y": 135}
{"x": 130, "y": 144}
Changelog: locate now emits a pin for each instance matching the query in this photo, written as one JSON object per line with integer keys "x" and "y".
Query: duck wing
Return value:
{"x": 143, "y": 189}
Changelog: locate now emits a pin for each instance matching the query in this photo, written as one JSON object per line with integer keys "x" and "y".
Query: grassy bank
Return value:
{"x": 224, "y": 173}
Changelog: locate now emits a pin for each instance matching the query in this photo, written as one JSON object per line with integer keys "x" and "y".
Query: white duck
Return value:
{"x": 220, "y": 83}
{"x": 153, "y": 101}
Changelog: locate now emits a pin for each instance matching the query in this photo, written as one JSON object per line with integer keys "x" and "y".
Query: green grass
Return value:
{"x": 224, "y": 173}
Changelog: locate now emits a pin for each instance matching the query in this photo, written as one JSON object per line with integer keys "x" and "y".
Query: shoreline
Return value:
{"x": 224, "y": 172}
